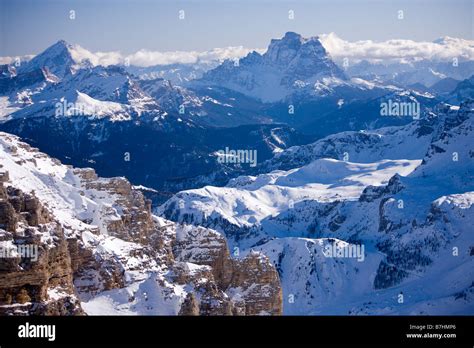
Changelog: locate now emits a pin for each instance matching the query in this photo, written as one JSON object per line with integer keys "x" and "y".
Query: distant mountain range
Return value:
{"x": 84, "y": 113}
{"x": 359, "y": 199}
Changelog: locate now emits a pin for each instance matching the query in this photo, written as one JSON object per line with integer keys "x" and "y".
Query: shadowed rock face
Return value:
{"x": 258, "y": 279}
{"x": 301, "y": 58}
{"x": 252, "y": 283}
{"x": 36, "y": 267}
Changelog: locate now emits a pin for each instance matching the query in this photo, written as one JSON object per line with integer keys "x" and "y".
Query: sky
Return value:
{"x": 29, "y": 26}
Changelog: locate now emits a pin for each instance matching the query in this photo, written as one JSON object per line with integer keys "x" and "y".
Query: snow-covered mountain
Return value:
{"x": 403, "y": 62}
{"x": 69, "y": 74}
{"x": 179, "y": 67}
{"x": 85, "y": 113}
{"x": 291, "y": 63}
{"x": 206, "y": 107}
{"x": 177, "y": 73}
{"x": 57, "y": 83}
{"x": 61, "y": 59}
{"x": 81, "y": 112}
{"x": 294, "y": 66}
{"x": 299, "y": 84}
{"x": 93, "y": 92}
{"x": 408, "y": 73}
{"x": 95, "y": 248}
{"x": 403, "y": 194}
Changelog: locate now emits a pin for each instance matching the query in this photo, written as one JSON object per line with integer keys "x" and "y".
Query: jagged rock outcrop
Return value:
{"x": 36, "y": 276}
{"x": 190, "y": 306}
{"x": 372, "y": 193}
{"x": 251, "y": 283}
{"x": 205, "y": 247}
{"x": 255, "y": 281}
{"x": 135, "y": 222}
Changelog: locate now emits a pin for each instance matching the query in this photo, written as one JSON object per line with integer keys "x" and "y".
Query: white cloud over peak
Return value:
{"x": 11, "y": 60}
{"x": 145, "y": 58}
{"x": 80, "y": 54}
{"x": 443, "y": 49}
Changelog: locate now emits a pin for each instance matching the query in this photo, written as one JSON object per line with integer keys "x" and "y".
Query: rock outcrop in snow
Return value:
{"x": 35, "y": 267}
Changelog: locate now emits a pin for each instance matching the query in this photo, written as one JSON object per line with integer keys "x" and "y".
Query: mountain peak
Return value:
{"x": 291, "y": 35}
{"x": 60, "y": 47}
{"x": 283, "y": 51}
{"x": 272, "y": 76}
{"x": 301, "y": 57}
{"x": 61, "y": 43}
{"x": 298, "y": 39}
{"x": 57, "y": 58}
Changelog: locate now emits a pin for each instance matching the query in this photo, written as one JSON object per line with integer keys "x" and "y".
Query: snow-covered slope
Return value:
{"x": 364, "y": 234}
{"x": 204, "y": 107}
{"x": 248, "y": 200}
{"x": 409, "y": 142}
{"x": 96, "y": 92}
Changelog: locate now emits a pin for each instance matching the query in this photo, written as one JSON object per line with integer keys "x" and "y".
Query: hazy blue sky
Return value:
{"x": 29, "y": 26}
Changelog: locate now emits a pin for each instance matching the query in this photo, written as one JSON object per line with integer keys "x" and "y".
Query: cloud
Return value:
{"x": 443, "y": 49}
{"x": 80, "y": 54}
{"x": 11, "y": 60}
{"x": 145, "y": 58}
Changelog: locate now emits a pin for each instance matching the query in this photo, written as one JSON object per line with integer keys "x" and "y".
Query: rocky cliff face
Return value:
{"x": 102, "y": 251}
{"x": 251, "y": 283}
{"x": 36, "y": 276}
